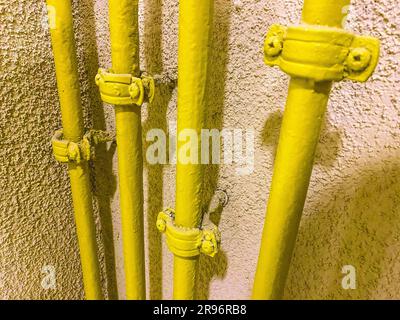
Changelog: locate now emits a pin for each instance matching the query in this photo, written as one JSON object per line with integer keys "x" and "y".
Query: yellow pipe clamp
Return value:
{"x": 188, "y": 242}
{"x": 321, "y": 53}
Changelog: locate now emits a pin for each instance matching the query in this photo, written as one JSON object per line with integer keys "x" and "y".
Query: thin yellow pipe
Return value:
{"x": 194, "y": 29}
{"x": 125, "y": 60}
{"x": 304, "y": 112}
{"x": 63, "y": 44}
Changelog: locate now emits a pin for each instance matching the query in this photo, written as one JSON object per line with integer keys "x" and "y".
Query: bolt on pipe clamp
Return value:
{"x": 188, "y": 242}
{"x": 321, "y": 53}
{"x": 124, "y": 89}
{"x": 66, "y": 151}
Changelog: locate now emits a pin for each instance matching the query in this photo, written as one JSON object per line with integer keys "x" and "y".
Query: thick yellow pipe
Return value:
{"x": 304, "y": 112}
{"x": 194, "y": 29}
{"x": 63, "y": 44}
{"x": 124, "y": 35}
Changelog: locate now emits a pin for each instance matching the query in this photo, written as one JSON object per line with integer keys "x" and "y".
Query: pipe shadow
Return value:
{"x": 103, "y": 179}
{"x": 327, "y": 150}
{"x": 156, "y": 118}
{"x": 356, "y": 222}
{"x": 210, "y": 268}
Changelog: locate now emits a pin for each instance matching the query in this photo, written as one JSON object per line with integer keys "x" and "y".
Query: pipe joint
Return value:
{"x": 125, "y": 89}
{"x": 188, "y": 242}
{"x": 321, "y": 53}
{"x": 66, "y": 151}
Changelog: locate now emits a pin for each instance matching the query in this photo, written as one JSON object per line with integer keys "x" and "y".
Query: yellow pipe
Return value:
{"x": 194, "y": 28}
{"x": 304, "y": 112}
{"x": 63, "y": 44}
{"x": 125, "y": 60}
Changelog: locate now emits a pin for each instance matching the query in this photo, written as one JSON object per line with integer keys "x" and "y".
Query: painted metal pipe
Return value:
{"x": 194, "y": 29}
{"x": 124, "y": 35}
{"x": 306, "y": 104}
{"x": 305, "y": 108}
{"x": 62, "y": 38}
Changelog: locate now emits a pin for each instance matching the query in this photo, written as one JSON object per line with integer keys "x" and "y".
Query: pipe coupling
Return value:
{"x": 66, "y": 151}
{"x": 124, "y": 89}
{"x": 188, "y": 242}
{"x": 321, "y": 53}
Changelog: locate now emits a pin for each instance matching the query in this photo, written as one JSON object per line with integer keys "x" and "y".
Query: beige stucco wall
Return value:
{"x": 352, "y": 214}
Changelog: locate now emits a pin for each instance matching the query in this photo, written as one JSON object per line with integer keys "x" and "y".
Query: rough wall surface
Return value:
{"x": 352, "y": 211}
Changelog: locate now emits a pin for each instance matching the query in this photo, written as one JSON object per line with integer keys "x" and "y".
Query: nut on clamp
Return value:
{"x": 321, "y": 53}
{"x": 124, "y": 89}
{"x": 188, "y": 242}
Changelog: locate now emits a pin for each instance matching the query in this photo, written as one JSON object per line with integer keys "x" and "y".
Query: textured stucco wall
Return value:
{"x": 352, "y": 211}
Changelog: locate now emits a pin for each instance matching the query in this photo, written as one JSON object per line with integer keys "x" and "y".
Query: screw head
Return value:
{"x": 73, "y": 151}
{"x": 161, "y": 225}
{"x": 208, "y": 237}
{"x": 273, "y": 46}
{"x": 207, "y": 247}
{"x": 134, "y": 90}
{"x": 358, "y": 59}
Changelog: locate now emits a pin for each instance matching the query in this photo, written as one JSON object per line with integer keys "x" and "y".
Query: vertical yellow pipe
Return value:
{"x": 194, "y": 29}
{"x": 124, "y": 35}
{"x": 63, "y": 44}
{"x": 304, "y": 112}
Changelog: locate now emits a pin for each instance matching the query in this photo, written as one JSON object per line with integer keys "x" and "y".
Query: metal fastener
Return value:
{"x": 134, "y": 90}
{"x": 358, "y": 59}
{"x": 207, "y": 246}
{"x": 273, "y": 46}
{"x": 161, "y": 225}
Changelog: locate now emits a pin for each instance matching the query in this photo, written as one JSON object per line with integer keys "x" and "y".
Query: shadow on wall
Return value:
{"x": 218, "y": 59}
{"x": 357, "y": 223}
{"x": 328, "y": 147}
{"x": 103, "y": 179}
{"x": 156, "y": 118}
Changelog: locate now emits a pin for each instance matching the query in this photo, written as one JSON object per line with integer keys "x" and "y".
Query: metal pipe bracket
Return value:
{"x": 125, "y": 89}
{"x": 321, "y": 53}
{"x": 188, "y": 242}
{"x": 66, "y": 151}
